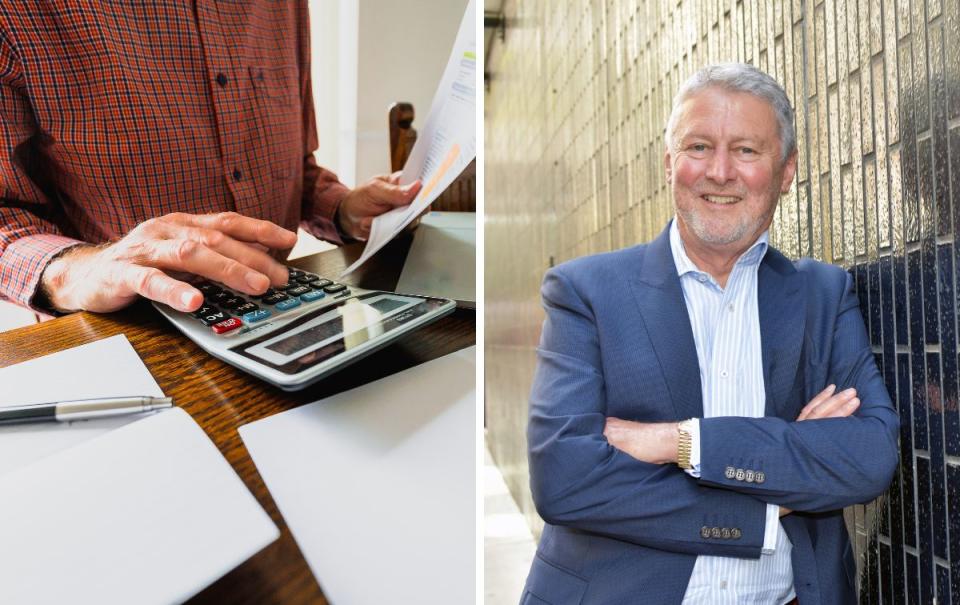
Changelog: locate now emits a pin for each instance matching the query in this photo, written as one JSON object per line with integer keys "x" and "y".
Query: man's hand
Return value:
{"x": 653, "y": 442}
{"x": 377, "y": 196}
{"x": 227, "y": 248}
{"x": 828, "y": 404}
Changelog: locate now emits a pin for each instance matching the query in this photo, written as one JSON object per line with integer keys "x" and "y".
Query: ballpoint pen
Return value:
{"x": 82, "y": 409}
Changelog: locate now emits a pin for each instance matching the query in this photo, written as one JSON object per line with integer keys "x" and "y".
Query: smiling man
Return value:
{"x": 704, "y": 408}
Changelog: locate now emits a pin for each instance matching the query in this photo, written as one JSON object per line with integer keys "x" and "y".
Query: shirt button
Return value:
{"x": 702, "y": 278}
{"x": 236, "y": 175}
{"x": 723, "y": 374}
{"x": 221, "y": 79}
{"x": 731, "y": 308}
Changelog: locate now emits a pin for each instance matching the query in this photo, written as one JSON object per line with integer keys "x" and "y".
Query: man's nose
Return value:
{"x": 720, "y": 168}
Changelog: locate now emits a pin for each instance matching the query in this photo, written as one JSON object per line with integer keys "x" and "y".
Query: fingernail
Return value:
{"x": 850, "y": 391}
{"x": 186, "y": 299}
{"x": 832, "y": 387}
{"x": 256, "y": 281}
{"x": 853, "y": 402}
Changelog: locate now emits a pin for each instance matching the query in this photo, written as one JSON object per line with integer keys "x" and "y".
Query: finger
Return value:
{"x": 392, "y": 196}
{"x": 833, "y": 407}
{"x": 243, "y": 228}
{"x": 817, "y": 400}
{"x": 154, "y": 284}
{"x": 253, "y": 256}
{"x": 196, "y": 258}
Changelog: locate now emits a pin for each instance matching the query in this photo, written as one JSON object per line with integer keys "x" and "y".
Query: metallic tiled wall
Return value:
{"x": 579, "y": 95}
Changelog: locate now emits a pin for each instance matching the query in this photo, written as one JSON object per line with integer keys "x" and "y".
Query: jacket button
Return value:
{"x": 759, "y": 477}
{"x": 725, "y": 533}
{"x": 735, "y": 533}
{"x": 748, "y": 476}
{"x": 705, "y": 532}
{"x": 714, "y": 532}
{"x": 729, "y": 472}
{"x": 740, "y": 474}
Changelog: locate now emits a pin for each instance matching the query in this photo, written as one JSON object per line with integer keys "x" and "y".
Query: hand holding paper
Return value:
{"x": 446, "y": 144}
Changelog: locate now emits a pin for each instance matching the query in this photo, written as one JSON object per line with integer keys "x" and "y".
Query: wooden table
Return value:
{"x": 221, "y": 398}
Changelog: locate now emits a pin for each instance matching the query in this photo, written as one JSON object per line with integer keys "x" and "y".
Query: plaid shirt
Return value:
{"x": 112, "y": 113}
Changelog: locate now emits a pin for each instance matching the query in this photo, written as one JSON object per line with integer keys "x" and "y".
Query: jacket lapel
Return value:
{"x": 782, "y": 305}
{"x": 660, "y": 300}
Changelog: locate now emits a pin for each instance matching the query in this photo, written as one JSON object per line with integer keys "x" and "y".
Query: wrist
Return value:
{"x": 55, "y": 291}
{"x": 684, "y": 448}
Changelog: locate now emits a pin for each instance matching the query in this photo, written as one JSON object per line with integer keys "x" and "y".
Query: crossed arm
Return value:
{"x": 615, "y": 477}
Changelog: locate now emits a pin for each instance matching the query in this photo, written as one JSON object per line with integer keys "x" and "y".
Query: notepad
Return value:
{"x": 147, "y": 513}
{"x": 105, "y": 368}
{"x": 378, "y": 484}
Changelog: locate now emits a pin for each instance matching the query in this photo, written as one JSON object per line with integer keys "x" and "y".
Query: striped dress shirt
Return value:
{"x": 726, "y": 330}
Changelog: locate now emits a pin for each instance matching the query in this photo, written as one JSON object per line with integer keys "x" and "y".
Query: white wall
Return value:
{"x": 378, "y": 52}
{"x": 404, "y": 46}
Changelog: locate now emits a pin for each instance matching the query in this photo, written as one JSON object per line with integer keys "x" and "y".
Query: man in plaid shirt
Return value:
{"x": 142, "y": 141}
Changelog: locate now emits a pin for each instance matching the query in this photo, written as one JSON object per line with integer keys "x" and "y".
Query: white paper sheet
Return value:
{"x": 442, "y": 258}
{"x": 445, "y": 145}
{"x": 105, "y": 368}
{"x": 148, "y": 513}
{"x": 378, "y": 484}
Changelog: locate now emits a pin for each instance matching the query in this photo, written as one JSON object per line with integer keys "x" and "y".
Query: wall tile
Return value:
{"x": 574, "y": 117}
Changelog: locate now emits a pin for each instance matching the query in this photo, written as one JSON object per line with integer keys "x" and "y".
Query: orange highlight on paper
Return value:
{"x": 447, "y": 162}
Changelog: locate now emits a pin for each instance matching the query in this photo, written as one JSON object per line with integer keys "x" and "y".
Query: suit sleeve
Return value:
{"x": 29, "y": 239}
{"x": 814, "y": 465}
{"x": 581, "y": 481}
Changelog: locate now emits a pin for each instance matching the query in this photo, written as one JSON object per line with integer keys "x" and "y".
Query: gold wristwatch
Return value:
{"x": 684, "y": 444}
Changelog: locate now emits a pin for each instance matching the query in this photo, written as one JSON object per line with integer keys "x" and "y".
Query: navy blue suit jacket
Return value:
{"x": 617, "y": 342}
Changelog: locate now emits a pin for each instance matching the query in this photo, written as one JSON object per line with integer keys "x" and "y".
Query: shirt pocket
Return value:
{"x": 279, "y": 127}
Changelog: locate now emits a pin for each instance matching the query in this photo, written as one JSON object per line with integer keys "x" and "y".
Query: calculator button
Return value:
{"x": 267, "y": 293}
{"x": 217, "y": 297}
{"x": 288, "y": 286}
{"x": 208, "y": 288}
{"x": 246, "y": 308}
{"x": 283, "y": 305}
{"x": 334, "y": 288}
{"x": 298, "y": 291}
{"x": 320, "y": 284}
{"x": 204, "y": 310}
{"x": 306, "y": 279}
{"x": 275, "y": 298}
{"x": 232, "y": 303}
{"x": 294, "y": 273}
{"x": 225, "y": 326}
{"x": 255, "y": 316}
{"x": 312, "y": 296}
{"x": 213, "y": 318}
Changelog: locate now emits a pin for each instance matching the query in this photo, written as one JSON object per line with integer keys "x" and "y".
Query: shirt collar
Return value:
{"x": 751, "y": 257}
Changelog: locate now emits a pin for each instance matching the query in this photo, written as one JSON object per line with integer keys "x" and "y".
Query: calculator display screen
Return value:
{"x": 364, "y": 320}
{"x": 317, "y": 337}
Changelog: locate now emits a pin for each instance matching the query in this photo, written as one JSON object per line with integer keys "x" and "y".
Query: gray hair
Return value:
{"x": 739, "y": 77}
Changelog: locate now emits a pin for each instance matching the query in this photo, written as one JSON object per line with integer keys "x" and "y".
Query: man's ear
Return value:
{"x": 789, "y": 171}
{"x": 667, "y": 167}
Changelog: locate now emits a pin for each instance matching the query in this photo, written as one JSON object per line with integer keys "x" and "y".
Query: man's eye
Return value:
{"x": 698, "y": 147}
{"x": 747, "y": 151}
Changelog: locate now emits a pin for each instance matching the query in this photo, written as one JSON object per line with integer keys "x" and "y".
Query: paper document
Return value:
{"x": 148, "y": 513}
{"x": 377, "y": 484}
{"x": 445, "y": 145}
{"x": 442, "y": 258}
{"x": 106, "y": 368}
